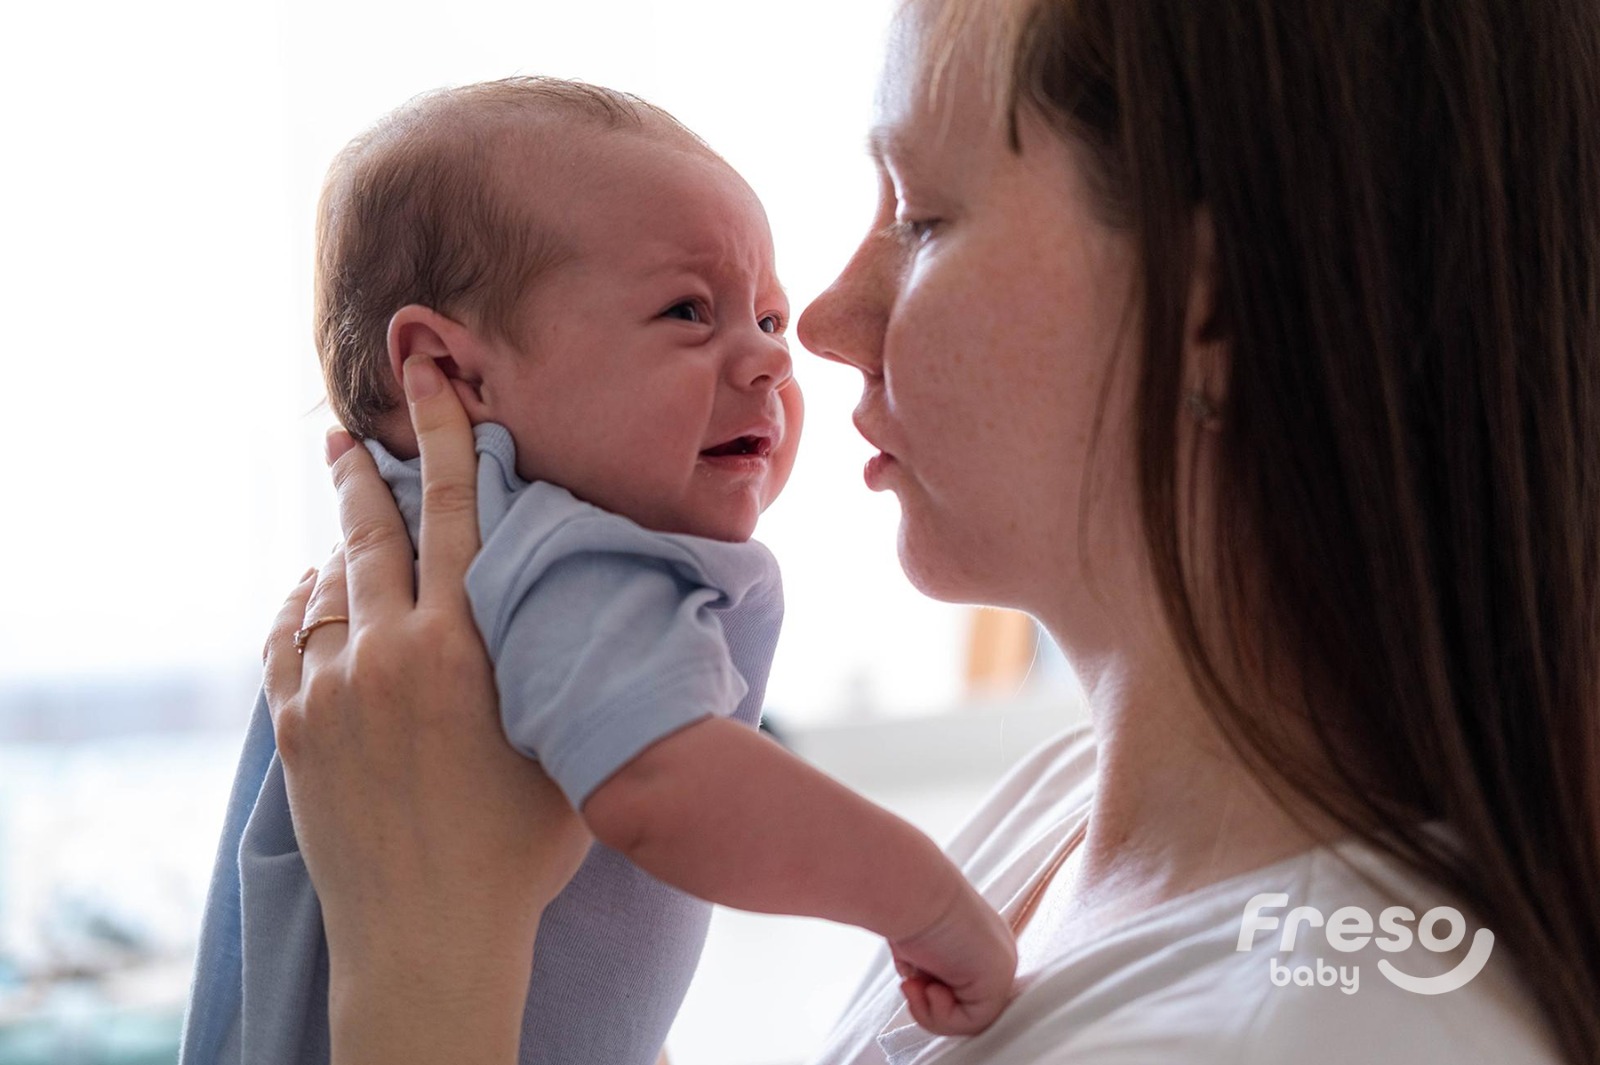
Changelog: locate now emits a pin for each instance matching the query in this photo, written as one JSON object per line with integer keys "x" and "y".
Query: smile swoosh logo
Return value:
{"x": 1471, "y": 965}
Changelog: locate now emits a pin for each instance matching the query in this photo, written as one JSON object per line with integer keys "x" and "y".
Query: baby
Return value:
{"x": 599, "y": 287}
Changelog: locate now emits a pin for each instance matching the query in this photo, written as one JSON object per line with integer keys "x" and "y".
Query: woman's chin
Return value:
{"x": 940, "y": 570}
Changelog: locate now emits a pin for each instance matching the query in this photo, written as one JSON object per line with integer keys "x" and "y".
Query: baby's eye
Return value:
{"x": 771, "y": 323}
{"x": 686, "y": 310}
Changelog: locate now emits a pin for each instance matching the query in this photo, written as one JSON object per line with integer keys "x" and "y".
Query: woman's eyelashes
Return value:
{"x": 914, "y": 232}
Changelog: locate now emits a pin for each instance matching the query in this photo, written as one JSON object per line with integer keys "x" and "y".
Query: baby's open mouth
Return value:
{"x": 743, "y": 445}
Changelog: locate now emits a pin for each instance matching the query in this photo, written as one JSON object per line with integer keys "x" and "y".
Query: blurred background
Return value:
{"x": 162, "y": 454}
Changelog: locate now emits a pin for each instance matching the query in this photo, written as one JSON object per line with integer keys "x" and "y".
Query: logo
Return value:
{"x": 1352, "y": 928}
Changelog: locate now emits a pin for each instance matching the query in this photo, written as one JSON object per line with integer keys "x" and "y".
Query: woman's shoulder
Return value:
{"x": 1419, "y": 978}
{"x": 1305, "y": 960}
{"x": 1319, "y": 958}
{"x": 1215, "y": 1029}
{"x": 1489, "y": 1021}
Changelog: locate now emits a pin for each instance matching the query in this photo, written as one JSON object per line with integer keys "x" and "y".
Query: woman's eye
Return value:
{"x": 687, "y": 311}
{"x": 771, "y": 323}
{"x": 915, "y": 231}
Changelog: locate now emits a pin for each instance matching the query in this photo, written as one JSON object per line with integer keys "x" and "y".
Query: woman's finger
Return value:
{"x": 281, "y": 675}
{"x": 377, "y": 548}
{"x": 329, "y": 599}
{"x": 335, "y": 443}
{"x": 449, "y": 538}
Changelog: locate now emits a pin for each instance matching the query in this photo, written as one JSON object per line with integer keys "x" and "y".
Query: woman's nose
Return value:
{"x": 846, "y": 323}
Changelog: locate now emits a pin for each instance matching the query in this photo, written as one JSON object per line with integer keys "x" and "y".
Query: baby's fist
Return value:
{"x": 957, "y": 975}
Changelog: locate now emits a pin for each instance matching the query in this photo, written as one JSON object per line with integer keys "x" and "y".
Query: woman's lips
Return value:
{"x": 878, "y": 468}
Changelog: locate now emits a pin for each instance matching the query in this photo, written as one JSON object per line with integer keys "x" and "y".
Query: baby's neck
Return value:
{"x": 394, "y": 432}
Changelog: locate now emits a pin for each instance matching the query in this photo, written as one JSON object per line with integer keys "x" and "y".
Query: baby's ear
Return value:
{"x": 418, "y": 330}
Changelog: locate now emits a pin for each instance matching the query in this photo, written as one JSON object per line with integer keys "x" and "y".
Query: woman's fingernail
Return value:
{"x": 308, "y": 574}
{"x": 423, "y": 379}
{"x": 335, "y": 444}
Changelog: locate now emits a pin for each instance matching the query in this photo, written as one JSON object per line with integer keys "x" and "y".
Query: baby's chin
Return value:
{"x": 728, "y": 532}
{"x": 729, "y": 527}
{"x": 730, "y": 517}
{"x": 715, "y": 510}
{"x": 707, "y": 527}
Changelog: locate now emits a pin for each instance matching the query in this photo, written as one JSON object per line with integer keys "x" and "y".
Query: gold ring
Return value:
{"x": 302, "y": 635}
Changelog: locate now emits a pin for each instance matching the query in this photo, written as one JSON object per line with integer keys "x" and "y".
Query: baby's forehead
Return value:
{"x": 643, "y": 204}
{"x": 573, "y": 159}
{"x": 706, "y": 232}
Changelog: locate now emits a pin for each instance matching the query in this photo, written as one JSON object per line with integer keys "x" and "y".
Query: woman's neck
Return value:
{"x": 1174, "y": 809}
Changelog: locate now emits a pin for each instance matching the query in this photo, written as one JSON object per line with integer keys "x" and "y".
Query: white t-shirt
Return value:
{"x": 1172, "y": 985}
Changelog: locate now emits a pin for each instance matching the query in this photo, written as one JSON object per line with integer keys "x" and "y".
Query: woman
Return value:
{"x": 1250, "y": 347}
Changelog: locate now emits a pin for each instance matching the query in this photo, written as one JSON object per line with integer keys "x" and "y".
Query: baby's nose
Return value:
{"x": 768, "y": 364}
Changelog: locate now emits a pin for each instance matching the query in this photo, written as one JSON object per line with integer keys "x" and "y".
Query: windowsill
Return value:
{"x": 972, "y": 742}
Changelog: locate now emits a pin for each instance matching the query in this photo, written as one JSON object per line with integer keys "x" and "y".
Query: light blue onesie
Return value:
{"x": 605, "y": 637}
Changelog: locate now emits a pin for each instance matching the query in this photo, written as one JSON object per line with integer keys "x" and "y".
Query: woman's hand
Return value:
{"x": 433, "y": 844}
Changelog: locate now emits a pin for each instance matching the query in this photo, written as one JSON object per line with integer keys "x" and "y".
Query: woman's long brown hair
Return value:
{"x": 1405, "y": 198}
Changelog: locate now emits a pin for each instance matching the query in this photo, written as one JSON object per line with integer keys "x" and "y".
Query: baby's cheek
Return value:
{"x": 794, "y": 412}
{"x": 794, "y": 416}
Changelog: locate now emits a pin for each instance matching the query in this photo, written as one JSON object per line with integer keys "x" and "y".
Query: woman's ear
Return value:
{"x": 458, "y": 352}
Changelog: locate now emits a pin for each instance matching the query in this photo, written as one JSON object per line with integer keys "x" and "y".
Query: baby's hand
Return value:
{"x": 956, "y": 975}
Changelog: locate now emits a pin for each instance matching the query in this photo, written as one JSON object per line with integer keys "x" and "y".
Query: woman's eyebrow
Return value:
{"x": 892, "y": 148}
{"x": 883, "y": 142}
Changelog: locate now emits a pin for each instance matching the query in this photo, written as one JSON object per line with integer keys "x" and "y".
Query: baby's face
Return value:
{"x": 651, "y": 374}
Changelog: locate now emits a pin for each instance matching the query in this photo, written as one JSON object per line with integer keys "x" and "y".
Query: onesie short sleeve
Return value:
{"x": 598, "y": 654}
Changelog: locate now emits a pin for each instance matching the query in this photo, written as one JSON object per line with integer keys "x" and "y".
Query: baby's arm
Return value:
{"x": 723, "y": 813}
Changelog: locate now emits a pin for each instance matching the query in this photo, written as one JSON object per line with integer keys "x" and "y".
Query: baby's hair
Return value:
{"x": 412, "y": 212}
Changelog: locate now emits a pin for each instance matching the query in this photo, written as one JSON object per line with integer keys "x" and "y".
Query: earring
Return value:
{"x": 1204, "y": 411}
